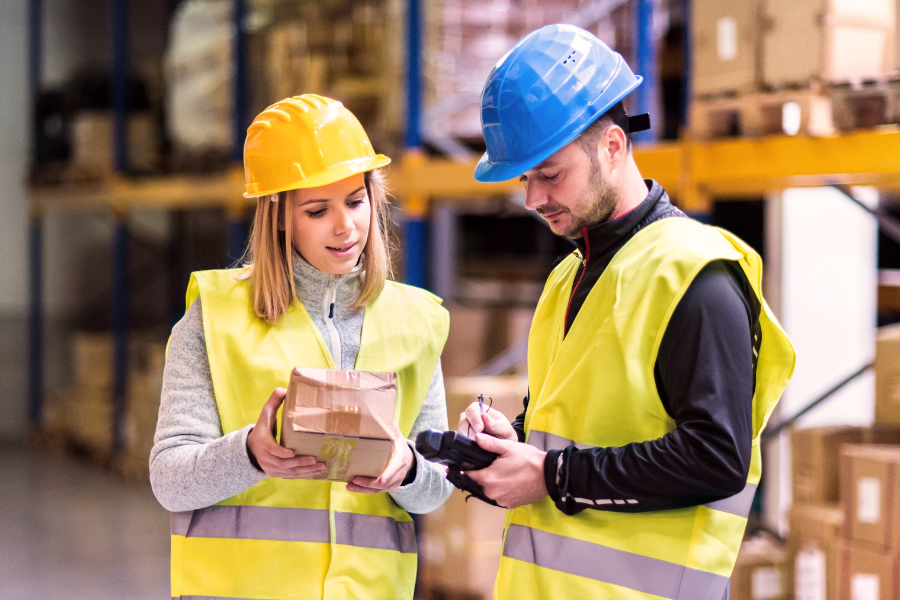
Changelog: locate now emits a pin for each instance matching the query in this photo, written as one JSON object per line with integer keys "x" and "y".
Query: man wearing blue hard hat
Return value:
{"x": 653, "y": 360}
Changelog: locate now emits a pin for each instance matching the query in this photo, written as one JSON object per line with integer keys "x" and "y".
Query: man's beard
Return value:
{"x": 600, "y": 199}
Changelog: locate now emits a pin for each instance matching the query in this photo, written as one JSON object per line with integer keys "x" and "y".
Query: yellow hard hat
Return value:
{"x": 303, "y": 142}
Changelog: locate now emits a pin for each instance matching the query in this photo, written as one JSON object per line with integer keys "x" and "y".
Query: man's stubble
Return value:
{"x": 599, "y": 200}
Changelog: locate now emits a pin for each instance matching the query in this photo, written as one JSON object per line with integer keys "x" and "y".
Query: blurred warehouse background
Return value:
{"x": 121, "y": 134}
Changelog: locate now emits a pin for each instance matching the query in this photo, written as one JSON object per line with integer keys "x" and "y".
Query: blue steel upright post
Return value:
{"x": 235, "y": 214}
{"x": 239, "y": 83}
{"x": 119, "y": 309}
{"x": 687, "y": 52}
{"x": 415, "y": 206}
{"x": 647, "y": 94}
{"x": 35, "y": 240}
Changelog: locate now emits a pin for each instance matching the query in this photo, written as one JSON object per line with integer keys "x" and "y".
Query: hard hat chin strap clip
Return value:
{"x": 638, "y": 123}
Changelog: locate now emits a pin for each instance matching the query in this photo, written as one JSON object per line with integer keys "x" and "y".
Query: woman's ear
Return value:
{"x": 284, "y": 200}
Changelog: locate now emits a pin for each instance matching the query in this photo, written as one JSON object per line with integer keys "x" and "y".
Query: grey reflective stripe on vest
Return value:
{"x": 550, "y": 441}
{"x": 368, "y": 531}
{"x": 258, "y": 523}
{"x": 617, "y": 567}
{"x": 295, "y": 525}
{"x": 739, "y": 504}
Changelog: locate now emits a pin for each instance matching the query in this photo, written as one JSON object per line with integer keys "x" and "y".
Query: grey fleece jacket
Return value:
{"x": 193, "y": 465}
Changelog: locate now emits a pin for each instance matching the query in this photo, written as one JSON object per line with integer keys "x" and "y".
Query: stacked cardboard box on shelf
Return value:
{"x": 462, "y": 540}
{"x": 466, "y": 39}
{"x": 79, "y": 416}
{"x": 870, "y": 490}
{"x": 142, "y": 408}
{"x": 815, "y": 538}
{"x": 339, "y": 49}
{"x": 842, "y": 542}
{"x": 759, "y": 570}
{"x": 747, "y": 46}
{"x": 767, "y": 66}
{"x": 814, "y": 550}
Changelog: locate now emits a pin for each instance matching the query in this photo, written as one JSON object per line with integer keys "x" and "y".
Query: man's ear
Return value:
{"x": 616, "y": 144}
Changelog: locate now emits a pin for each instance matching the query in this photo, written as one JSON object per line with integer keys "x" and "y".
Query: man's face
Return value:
{"x": 569, "y": 191}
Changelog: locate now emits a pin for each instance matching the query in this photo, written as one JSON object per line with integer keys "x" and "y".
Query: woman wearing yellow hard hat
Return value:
{"x": 314, "y": 292}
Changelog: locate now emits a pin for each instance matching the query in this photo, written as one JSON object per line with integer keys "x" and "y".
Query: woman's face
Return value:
{"x": 330, "y": 224}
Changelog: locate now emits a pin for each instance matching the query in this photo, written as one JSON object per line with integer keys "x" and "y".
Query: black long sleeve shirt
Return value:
{"x": 705, "y": 374}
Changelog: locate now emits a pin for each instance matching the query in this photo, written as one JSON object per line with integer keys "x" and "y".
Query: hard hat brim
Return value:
{"x": 331, "y": 175}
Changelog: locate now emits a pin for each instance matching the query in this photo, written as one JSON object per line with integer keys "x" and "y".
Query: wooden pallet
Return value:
{"x": 865, "y": 105}
{"x": 795, "y": 112}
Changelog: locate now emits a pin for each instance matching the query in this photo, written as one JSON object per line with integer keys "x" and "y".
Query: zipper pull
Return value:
{"x": 331, "y": 311}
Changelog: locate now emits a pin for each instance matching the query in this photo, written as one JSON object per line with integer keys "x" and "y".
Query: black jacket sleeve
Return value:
{"x": 705, "y": 373}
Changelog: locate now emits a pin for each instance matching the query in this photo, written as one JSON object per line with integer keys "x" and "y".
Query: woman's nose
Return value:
{"x": 343, "y": 222}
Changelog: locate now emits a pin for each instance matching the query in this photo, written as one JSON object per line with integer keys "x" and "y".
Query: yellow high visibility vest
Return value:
{"x": 282, "y": 538}
{"x": 594, "y": 387}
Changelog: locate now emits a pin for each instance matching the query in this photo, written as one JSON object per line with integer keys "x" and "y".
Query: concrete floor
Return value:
{"x": 70, "y": 531}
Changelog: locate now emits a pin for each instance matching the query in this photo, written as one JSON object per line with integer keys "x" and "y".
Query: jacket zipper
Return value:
{"x": 584, "y": 263}
{"x": 330, "y": 300}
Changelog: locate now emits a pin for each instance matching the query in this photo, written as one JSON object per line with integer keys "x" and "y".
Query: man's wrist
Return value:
{"x": 552, "y": 467}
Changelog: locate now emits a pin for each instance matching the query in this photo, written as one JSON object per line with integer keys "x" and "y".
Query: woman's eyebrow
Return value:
{"x": 356, "y": 191}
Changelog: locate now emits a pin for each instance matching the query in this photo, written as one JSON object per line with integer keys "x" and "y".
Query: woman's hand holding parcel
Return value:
{"x": 492, "y": 422}
{"x": 401, "y": 461}
{"x": 265, "y": 452}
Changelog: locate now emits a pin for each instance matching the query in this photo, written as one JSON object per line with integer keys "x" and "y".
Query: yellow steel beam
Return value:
{"x": 745, "y": 167}
{"x": 693, "y": 172}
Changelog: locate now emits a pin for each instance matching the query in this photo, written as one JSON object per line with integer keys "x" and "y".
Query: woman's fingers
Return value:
{"x": 267, "y": 418}
{"x": 392, "y": 476}
{"x": 275, "y": 466}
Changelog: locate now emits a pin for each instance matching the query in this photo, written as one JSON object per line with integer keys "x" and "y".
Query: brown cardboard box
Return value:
{"x": 887, "y": 375}
{"x": 725, "y": 41}
{"x": 467, "y": 345}
{"x": 92, "y": 358}
{"x": 867, "y": 573}
{"x": 826, "y": 40}
{"x": 814, "y": 551}
{"x": 815, "y": 453}
{"x": 462, "y": 542}
{"x": 870, "y": 494}
{"x": 759, "y": 571}
{"x": 344, "y": 418}
{"x": 92, "y": 152}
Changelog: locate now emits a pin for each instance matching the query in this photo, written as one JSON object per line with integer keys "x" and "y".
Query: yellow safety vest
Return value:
{"x": 594, "y": 387}
{"x": 301, "y": 538}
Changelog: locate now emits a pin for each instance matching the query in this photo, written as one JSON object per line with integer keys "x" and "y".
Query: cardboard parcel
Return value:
{"x": 344, "y": 418}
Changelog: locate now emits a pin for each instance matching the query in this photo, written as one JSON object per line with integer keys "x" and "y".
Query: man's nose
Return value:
{"x": 535, "y": 196}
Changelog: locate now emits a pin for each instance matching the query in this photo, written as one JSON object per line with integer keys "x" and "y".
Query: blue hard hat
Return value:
{"x": 548, "y": 89}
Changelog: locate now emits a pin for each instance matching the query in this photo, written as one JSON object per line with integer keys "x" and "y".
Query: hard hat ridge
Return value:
{"x": 549, "y": 88}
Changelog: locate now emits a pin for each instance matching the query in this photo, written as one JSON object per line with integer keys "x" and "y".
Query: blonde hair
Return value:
{"x": 269, "y": 250}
